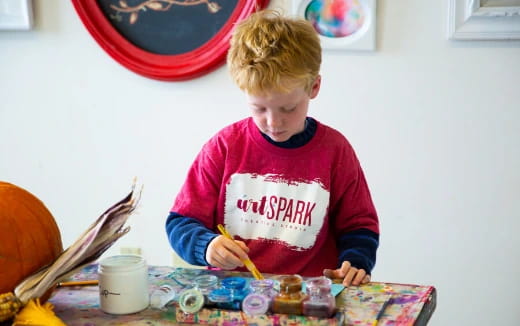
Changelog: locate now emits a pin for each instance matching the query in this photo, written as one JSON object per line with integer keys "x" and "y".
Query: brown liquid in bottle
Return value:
{"x": 290, "y": 299}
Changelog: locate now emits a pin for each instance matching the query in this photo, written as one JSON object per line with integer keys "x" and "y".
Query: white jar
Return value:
{"x": 123, "y": 284}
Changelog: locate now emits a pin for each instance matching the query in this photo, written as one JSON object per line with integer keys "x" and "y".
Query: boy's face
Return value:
{"x": 282, "y": 115}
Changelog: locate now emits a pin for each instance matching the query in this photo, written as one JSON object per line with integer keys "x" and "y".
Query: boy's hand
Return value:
{"x": 225, "y": 253}
{"x": 349, "y": 274}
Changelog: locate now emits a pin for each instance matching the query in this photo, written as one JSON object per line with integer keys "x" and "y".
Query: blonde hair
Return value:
{"x": 270, "y": 52}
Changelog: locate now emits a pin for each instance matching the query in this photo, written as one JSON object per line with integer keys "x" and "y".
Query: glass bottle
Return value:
{"x": 162, "y": 295}
{"x": 265, "y": 287}
{"x": 320, "y": 301}
{"x": 205, "y": 284}
{"x": 237, "y": 286}
{"x": 291, "y": 297}
{"x": 259, "y": 301}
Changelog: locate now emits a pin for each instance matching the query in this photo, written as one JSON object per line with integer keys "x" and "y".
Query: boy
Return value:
{"x": 288, "y": 188}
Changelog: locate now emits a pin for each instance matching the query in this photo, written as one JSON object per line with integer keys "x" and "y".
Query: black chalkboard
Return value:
{"x": 168, "y": 27}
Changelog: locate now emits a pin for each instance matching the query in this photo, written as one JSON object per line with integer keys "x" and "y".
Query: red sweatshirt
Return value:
{"x": 288, "y": 205}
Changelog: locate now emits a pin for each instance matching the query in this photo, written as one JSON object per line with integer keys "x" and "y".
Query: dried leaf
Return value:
{"x": 133, "y": 18}
{"x": 154, "y": 5}
{"x": 100, "y": 236}
{"x": 213, "y": 7}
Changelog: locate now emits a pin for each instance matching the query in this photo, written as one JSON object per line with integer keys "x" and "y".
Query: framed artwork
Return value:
{"x": 341, "y": 24}
{"x": 16, "y": 15}
{"x": 484, "y": 20}
{"x": 169, "y": 40}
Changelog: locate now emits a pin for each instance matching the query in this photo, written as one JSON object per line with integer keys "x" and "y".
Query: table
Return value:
{"x": 357, "y": 305}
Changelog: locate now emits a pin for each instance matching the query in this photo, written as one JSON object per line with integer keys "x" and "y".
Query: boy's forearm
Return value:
{"x": 359, "y": 247}
{"x": 189, "y": 238}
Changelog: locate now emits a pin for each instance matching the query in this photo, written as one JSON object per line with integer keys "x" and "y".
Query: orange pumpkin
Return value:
{"x": 29, "y": 236}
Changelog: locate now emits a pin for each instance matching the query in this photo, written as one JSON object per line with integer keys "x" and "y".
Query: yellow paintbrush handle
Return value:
{"x": 248, "y": 263}
{"x": 78, "y": 283}
{"x": 252, "y": 268}
{"x": 224, "y": 232}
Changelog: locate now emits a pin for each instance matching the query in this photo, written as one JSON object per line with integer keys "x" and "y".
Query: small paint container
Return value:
{"x": 265, "y": 287}
{"x": 289, "y": 300}
{"x": 256, "y": 304}
{"x": 191, "y": 301}
{"x": 320, "y": 301}
{"x": 123, "y": 284}
{"x": 223, "y": 299}
{"x": 206, "y": 284}
{"x": 237, "y": 285}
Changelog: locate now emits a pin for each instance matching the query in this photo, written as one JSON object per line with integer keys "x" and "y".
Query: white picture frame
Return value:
{"x": 484, "y": 20}
{"x": 363, "y": 39}
{"x": 16, "y": 15}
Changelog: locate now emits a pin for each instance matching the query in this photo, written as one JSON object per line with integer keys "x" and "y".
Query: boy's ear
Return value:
{"x": 315, "y": 89}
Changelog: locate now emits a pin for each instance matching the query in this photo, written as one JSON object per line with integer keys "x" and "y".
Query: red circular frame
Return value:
{"x": 195, "y": 63}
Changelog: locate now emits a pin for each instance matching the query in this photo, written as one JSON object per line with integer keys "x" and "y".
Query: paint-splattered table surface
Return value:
{"x": 405, "y": 304}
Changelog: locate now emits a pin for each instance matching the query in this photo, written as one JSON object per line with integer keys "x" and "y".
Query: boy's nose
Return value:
{"x": 274, "y": 121}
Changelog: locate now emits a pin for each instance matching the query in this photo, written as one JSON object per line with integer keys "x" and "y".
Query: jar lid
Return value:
{"x": 188, "y": 272}
{"x": 221, "y": 295}
{"x": 255, "y": 304}
{"x": 191, "y": 301}
{"x": 207, "y": 280}
{"x": 234, "y": 283}
{"x": 320, "y": 281}
{"x": 291, "y": 283}
{"x": 318, "y": 285}
{"x": 262, "y": 284}
{"x": 121, "y": 263}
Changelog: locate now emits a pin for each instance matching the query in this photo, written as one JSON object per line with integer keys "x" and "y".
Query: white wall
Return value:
{"x": 435, "y": 124}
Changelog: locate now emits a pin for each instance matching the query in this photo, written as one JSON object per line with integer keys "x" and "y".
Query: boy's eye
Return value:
{"x": 289, "y": 109}
{"x": 258, "y": 109}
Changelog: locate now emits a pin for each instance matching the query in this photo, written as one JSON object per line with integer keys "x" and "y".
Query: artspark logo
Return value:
{"x": 280, "y": 210}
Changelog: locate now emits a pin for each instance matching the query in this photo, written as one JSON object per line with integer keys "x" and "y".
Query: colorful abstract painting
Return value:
{"x": 336, "y": 18}
{"x": 341, "y": 24}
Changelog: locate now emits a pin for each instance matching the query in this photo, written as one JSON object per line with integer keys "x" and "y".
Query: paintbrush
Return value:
{"x": 247, "y": 262}
{"x": 78, "y": 283}
{"x": 381, "y": 311}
